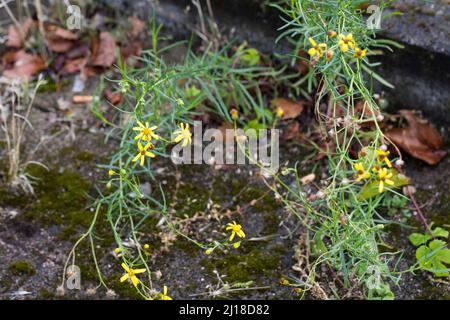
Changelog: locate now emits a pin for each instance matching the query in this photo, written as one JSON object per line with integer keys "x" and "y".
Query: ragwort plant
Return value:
{"x": 160, "y": 101}
{"x": 344, "y": 222}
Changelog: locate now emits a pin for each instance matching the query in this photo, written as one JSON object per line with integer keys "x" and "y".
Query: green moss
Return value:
{"x": 123, "y": 289}
{"x": 8, "y": 198}
{"x": 21, "y": 268}
{"x": 60, "y": 200}
{"x": 189, "y": 199}
{"x": 85, "y": 156}
{"x": 245, "y": 266}
{"x": 46, "y": 295}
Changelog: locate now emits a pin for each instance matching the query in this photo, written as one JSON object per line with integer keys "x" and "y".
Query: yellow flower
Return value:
{"x": 236, "y": 244}
{"x": 329, "y": 55}
{"x": 164, "y": 295}
{"x": 361, "y": 172}
{"x": 183, "y": 134}
{"x": 131, "y": 273}
{"x": 346, "y": 42}
{"x": 234, "y": 114}
{"x": 360, "y": 53}
{"x": 144, "y": 153}
{"x": 384, "y": 176}
{"x": 111, "y": 173}
{"x": 331, "y": 33}
{"x": 236, "y": 229}
{"x": 145, "y": 132}
{"x": 317, "y": 49}
{"x": 382, "y": 156}
{"x": 146, "y": 246}
{"x": 279, "y": 112}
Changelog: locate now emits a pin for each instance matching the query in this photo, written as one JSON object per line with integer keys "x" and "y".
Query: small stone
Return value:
{"x": 91, "y": 291}
{"x": 60, "y": 291}
{"x": 110, "y": 293}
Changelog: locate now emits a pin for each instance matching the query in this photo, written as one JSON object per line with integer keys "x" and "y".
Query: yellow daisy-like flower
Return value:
{"x": 146, "y": 133}
{"x": 382, "y": 156}
{"x": 317, "y": 49}
{"x": 384, "y": 176}
{"x": 329, "y": 55}
{"x": 360, "y": 53}
{"x": 143, "y": 152}
{"x": 131, "y": 274}
{"x": 331, "y": 33}
{"x": 279, "y": 112}
{"x": 183, "y": 134}
{"x": 164, "y": 295}
{"x": 234, "y": 114}
{"x": 361, "y": 172}
{"x": 346, "y": 42}
{"x": 236, "y": 229}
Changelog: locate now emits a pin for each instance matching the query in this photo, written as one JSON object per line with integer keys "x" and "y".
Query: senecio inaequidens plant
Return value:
{"x": 346, "y": 227}
{"x": 343, "y": 225}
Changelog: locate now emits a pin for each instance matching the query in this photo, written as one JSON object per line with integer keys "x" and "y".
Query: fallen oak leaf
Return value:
{"x": 291, "y": 109}
{"x": 426, "y": 133}
{"x": 291, "y": 131}
{"x": 60, "y": 40}
{"x": 73, "y": 66}
{"x": 105, "y": 51}
{"x": 64, "y": 34}
{"x": 308, "y": 178}
{"x": 137, "y": 25}
{"x": 25, "y": 65}
{"x": 419, "y": 139}
{"x": 114, "y": 98}
{"x": 16, "y": 38}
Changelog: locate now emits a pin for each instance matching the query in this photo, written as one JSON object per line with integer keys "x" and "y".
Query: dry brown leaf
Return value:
{"x": 131, "y": 50}
{"x": 73, "y": 65}
{"x": 302, "y": 65}
{"x": 308, "y": 178}
{"x": 25, "y": 65}
{"x": 292, "y": 131}
{"x": 137, "y": 25}
{"x": 114, "y": 98}
{"x": 59, "y": 45}
{"x": 64, "y": 34}
{"x": 15, "y": 38}
{"x": 60, "y": 40}
{"x": 105, "y": 53}
{"x": 419, "y": 139}
{"x": 291, "y": 109}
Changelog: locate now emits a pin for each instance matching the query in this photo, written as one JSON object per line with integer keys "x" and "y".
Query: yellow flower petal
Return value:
{"x": 136, "y": 158}
{"x": 381, "y": 187}
{"x": 139, "y": 270}
{"x": 312, "y": 42}
{"x": 134, "y": 280}
{"x": 125, "y": 267}
{"x": 124, "y": 277}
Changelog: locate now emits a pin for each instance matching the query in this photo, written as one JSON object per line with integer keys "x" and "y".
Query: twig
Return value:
{"x": 419, "y": 211}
